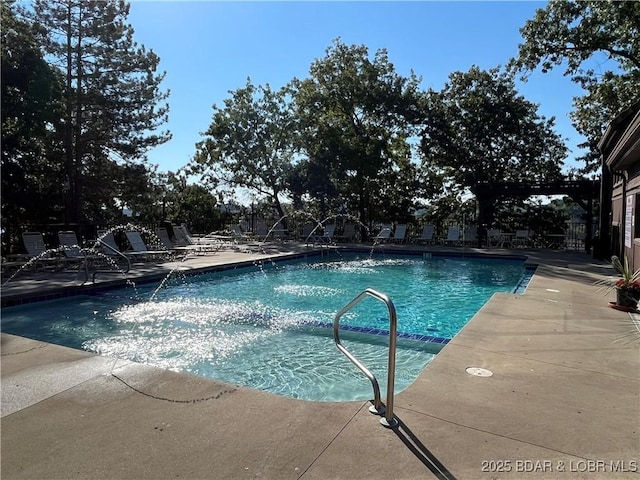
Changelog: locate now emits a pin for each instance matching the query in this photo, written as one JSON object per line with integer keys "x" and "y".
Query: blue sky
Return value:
{"x": 208, "y": 48}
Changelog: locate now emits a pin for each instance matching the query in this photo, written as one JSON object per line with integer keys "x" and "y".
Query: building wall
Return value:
{"x": 620, "y": 147}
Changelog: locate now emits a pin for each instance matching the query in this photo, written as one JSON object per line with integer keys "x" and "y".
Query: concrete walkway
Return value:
{"x": 563, "y": 402}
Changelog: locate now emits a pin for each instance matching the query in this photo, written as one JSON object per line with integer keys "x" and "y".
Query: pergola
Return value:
{"x": 583, "y": 192}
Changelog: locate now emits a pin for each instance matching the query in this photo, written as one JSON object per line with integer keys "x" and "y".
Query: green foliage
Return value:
{"x": 198, "y": 208}
{"x": 479, "y": 130}
{"x": 30, "y": 111}
{"x": 356, "y": 118}
{"x": 111, "y": 96}
{"x": 251, "y": 143}
{"x": 578, "y": 34}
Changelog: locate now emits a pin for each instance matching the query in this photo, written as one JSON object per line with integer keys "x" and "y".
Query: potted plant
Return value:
{"x": 627, "y": 286}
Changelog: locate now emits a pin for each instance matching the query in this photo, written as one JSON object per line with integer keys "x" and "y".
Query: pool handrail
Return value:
{"x": 116, "y": 252}
{"x": 378, "y": 408}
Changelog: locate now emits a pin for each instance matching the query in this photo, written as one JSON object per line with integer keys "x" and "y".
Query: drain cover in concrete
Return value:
{"x": 479, "y": 372}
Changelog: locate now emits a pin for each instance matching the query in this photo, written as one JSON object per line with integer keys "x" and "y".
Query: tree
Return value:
{"x": 30, "y": 111}
{"x": 357, "y": 117}
{"x": 572, "y": 34}
{"x": 478, "y": 130}
{"x": 250, "y": 143}
{"x": 112, "y": 97}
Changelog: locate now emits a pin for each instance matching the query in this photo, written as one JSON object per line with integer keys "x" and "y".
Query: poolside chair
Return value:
{"x": 327, "y": 235}
{"x": 88, "y": 259}
{"x": 521, "y": 238}
{"x": 107, "y": 245}
{"x": 71, "y": 247}
{"x": 348, "y": 233}
{"x": 139, "y": 246}
{"x": 469, "y": 235}
{"x": 239, "y": 235}
{"x": 384, "y": 235}
{"x": 69, "y": 241}
{"x": 311, "y": 233}
{"x": 165, "y": 240}
{"x": 494, "y": 237}
{"x": 399, "y": 233}
{"x": 261, "y": 230}
{"x": 187, "y": 242}
{"x": 37, "y": 251}
{"x": 427, "y": 234}
{"x": 214, "y": 241}
{"x": 163, "y": 235}
{"x": 453, "y": 235}
{"x": 326, "y": 238}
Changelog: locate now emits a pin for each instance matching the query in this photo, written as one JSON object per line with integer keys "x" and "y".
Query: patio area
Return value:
{"x": 563, "y": 400}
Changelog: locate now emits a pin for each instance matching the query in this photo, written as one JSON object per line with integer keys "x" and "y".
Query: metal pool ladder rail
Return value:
{"x": 378, "y": 408}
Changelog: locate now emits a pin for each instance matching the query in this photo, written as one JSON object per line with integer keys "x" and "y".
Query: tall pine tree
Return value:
{"x": 113, "y": 104}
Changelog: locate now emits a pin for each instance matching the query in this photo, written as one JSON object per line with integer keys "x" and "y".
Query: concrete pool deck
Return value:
{"x": 563, "y": 401}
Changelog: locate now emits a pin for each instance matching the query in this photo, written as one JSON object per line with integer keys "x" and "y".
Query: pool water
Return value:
{"x": 266, "y": 327}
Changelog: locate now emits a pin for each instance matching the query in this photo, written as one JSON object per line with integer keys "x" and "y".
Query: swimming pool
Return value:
{"x": 266, "y": 326}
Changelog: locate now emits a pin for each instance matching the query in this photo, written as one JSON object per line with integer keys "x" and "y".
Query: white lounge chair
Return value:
{"x": 187, "y": 242}
{"x": 163, "y": 235}
{"x": 261, "y": 230}
{"x": 139, "y": 246}
{"x": 71, "y": 247}
{"x": 88, "y": 259}
{"x": 37, "y": 252}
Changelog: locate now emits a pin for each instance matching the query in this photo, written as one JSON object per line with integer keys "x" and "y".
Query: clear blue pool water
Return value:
{"x": 265, "y": 327}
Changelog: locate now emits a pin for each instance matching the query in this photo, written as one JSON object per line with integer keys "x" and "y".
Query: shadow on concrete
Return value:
{"x": 421, "y": 452}
{"x": 588, "y": 276}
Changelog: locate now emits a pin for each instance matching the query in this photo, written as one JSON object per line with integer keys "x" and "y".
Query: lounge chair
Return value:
{"x": 521, "y": 238}
{"x": 239, "y": 235}
{"x": 88, "y": 259}
{"x": 326, "y": 238}
{"x": 453, "y": 235}
{"x": 187, "y": 242}
{"x": 348, "y": 233}
{"x": 494, "y": 237}
{"x": 427, "y": 234}
{"x": 261, "y": 230}
{"x": 107, "y": 244}
{"x": 327, "y": 235}
{"x": 213, "y": 240}
{"x": 71, "y": 247}
{"x": 69, "y": 241}
{"x": 399, "y": 233}
{"x": 469, "y": 235}
{"x": 37, "y": 252}
{"x": 384, "y": 235}
{"x": 163, "y": 235}
{"x": 310, "y": 233}
{"x": 139, "y": 246}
